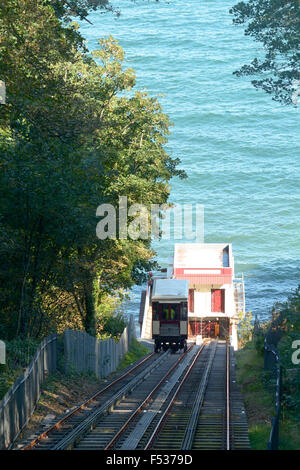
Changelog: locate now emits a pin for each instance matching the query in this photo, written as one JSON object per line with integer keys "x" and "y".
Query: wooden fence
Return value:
{"x": 18, "y": 404}
{"x": 84, "y": 353}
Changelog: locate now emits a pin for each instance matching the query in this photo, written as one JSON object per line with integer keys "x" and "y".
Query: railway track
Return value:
{"x": 207, "y": 412}
{"x": 59, "y": 428}
{"x": 127, "y": 422}
{"x": 68, "y": 431}
{"x": 169, "y": 401}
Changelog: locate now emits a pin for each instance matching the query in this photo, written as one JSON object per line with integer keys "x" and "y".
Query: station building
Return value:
{"x": 215, "y": 295}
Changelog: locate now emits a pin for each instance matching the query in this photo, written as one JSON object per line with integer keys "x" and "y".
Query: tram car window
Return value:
{"x": 155, "y": 310}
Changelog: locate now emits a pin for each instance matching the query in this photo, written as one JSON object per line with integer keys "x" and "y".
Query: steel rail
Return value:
{"x": 173, "y": 398}
{"x": 220, "y": 378}
{"x": 218, "y": 396}
{"x": 147, "y": 399}
{"x": 227, "y": 396}
{"x": 192, "y": 424}
{"x": 66, "y": 418}
{"x": 89, "y": 422}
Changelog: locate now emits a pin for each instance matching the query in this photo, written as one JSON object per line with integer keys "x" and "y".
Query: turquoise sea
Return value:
{"x": 239, "y": 148}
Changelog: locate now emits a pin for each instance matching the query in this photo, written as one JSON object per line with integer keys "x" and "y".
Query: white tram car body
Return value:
{"x": 169, "y": 301}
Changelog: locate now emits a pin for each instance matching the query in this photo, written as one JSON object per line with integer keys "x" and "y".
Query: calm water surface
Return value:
{"x": 239, "y": 148}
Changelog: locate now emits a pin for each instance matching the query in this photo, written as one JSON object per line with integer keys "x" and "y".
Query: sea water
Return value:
{"x": 239, "y": 148}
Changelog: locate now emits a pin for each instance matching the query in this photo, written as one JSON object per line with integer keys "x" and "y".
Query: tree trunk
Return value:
{"x": 89, "y": 301}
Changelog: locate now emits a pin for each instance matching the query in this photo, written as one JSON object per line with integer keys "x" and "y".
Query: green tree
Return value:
{"x": 289, "y": 357}
{"x": 73, "y": 134}
{"x": 81, "y": 8}
{"x": 276, "y": 25}
{"x": 245, "y": 328}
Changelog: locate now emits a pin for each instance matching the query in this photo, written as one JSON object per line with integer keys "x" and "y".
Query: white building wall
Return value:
{"x": 229, "y": 300}
{"x": 234, "y": 337}
{"x": 202, "y": 301}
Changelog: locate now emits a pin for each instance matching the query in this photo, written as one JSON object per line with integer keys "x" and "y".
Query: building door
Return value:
{"x": 218, "y": 300}
{"x": 191, "y": 300}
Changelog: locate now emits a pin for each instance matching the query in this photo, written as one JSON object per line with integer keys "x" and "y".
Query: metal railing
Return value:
{"x": 272, "y": 362}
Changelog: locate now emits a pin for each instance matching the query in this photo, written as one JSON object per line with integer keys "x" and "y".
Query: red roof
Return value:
{"x": 204, "y": 276}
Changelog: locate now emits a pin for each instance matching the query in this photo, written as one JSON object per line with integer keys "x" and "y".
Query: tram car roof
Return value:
{"x": 170, "y": 289}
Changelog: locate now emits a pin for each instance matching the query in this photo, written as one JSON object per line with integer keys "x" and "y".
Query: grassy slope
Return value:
{"x": 259, "y": 403}
{"x": 136, "y": 351}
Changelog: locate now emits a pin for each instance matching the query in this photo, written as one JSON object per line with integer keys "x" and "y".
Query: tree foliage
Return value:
{"x": 74, "y": 134}
{"x": 245, "y": 328}
{"x": 288, "y": 347}
{"x": 276, "y": 25}
{"x": 69, "y": 8}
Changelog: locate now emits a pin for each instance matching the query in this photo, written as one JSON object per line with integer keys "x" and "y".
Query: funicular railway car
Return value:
{"x": 169, "y": 302}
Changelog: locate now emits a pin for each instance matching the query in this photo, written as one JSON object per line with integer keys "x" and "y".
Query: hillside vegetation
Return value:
{"x": 75, "y": 133}
{"x": 258, "y": 385}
